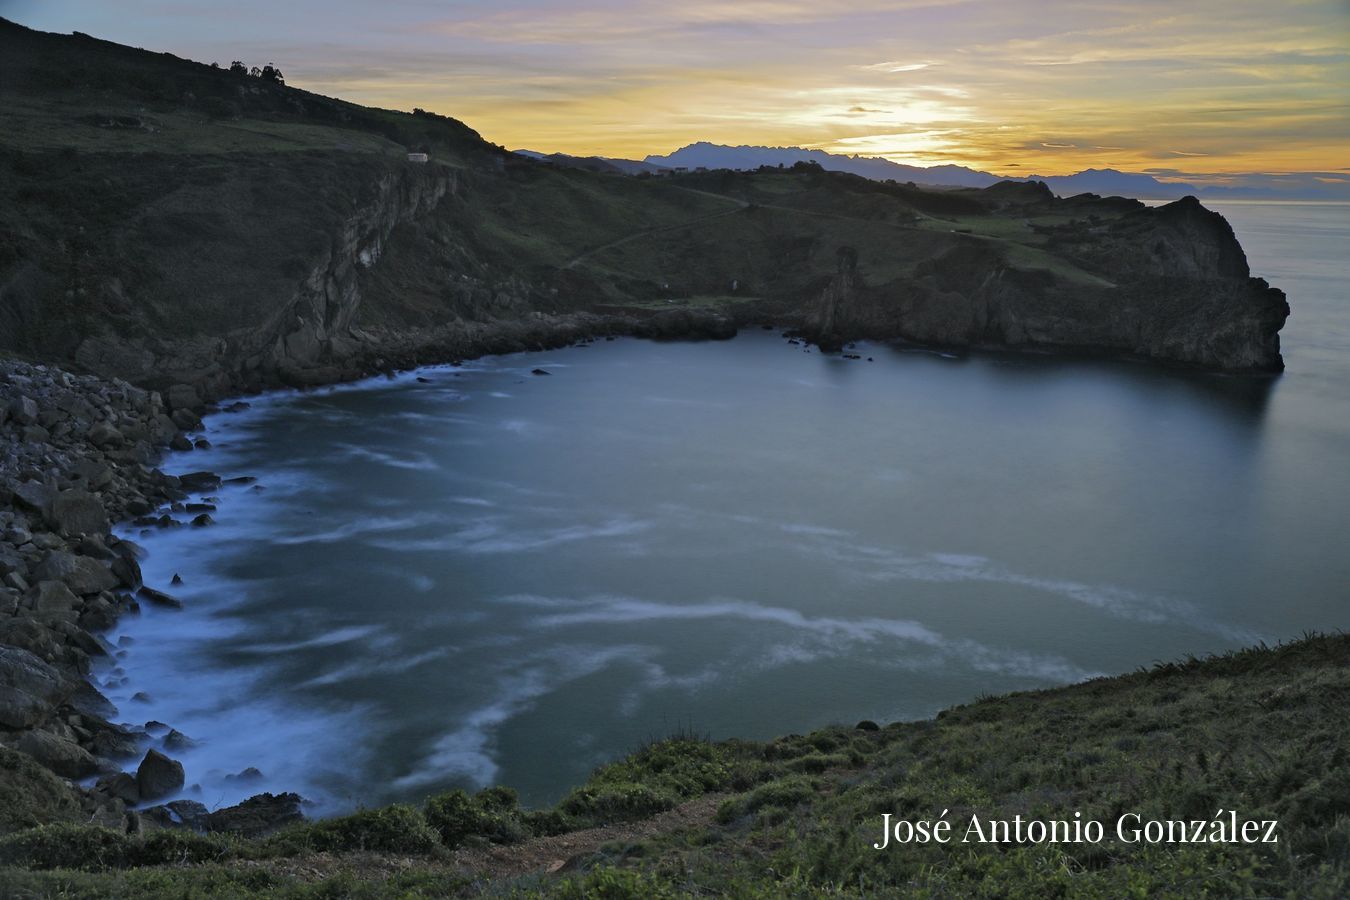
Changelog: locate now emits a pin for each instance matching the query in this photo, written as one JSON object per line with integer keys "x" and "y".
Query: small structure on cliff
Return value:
{"x": 419, "y": 157}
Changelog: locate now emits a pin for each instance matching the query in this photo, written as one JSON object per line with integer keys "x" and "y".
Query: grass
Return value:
{"x": 1264, "y": 731}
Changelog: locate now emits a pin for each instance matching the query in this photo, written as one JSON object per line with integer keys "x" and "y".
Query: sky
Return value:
{"x": 1172, "y": 87}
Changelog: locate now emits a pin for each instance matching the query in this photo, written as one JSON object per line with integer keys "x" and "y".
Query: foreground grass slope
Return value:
{"x": 1265, "y": 732}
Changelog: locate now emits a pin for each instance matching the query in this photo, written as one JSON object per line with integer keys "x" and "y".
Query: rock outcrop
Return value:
{"x": 1169, "y": 284}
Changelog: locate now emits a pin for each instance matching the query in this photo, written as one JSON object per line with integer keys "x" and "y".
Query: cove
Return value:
{"x": 473, "y": 575}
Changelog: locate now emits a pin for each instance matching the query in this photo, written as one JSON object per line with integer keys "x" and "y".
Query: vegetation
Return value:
{"x": 1262, "y": 732}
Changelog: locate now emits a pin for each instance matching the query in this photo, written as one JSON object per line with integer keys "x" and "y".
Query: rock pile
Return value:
{"x": 76, "y": 454}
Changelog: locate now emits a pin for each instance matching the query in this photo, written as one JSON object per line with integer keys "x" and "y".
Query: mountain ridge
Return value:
{"x": 1105, "y": 181}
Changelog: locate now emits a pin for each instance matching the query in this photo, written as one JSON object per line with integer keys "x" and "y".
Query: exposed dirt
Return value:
{"x": 545, "y": 855}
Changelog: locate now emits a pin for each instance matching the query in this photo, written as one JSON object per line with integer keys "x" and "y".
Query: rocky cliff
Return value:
{"x": 1169, "y": 284}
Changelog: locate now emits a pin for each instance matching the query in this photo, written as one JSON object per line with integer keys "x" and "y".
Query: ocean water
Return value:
{"x": 489, "y": 576}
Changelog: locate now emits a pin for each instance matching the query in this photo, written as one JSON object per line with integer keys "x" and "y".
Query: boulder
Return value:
{"x": 122, "y": 786}
{"x": 53, "y": 600}
{"x": 199, "y": 481}
{"x": 186, "y": 419}
{"x": 259, "y": 815}
{"x": 96, "y": 474}
{"x": 159, "y": 598}
{"x": 81, "y": 574}
{"x": 177, "y": 742}
{"x": 23, "y": 411}
{"x": 28, "y": 634}
{"x": 33, "y": 495}
{"x": 183, "y": 396}
{"x": 179, "y": 814}
{"x": 158, "y": 775}
{"x": 162, "y": 428}
{"x": 30, "y": 689}
{"x": 105, "y": 435}
{"x": 62, "y": 755}
{"x": 78, "y": 512}
{"x": 127, "y": 571}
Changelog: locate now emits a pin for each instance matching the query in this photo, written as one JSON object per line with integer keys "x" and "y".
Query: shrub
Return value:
{"x": 65, "y": 846}
{"x": 493, "y": 815}
{"x": 785, "y": 793}
{"x": 390, "y": 829}
{"x": 177, "y": 847}
{"x": 597, "y": 803}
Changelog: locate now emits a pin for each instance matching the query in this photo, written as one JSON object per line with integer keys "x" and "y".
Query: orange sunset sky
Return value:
{"x": 1013, "y": 87}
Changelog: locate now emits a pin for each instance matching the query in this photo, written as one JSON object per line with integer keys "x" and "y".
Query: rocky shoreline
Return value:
{"x": 81, "y": 453}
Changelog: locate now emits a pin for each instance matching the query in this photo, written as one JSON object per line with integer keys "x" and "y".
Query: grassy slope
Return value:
{"x": 1264, "y": 731}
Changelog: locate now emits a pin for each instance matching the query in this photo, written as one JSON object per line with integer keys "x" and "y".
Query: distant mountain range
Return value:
{"x": 1110, "y": 182}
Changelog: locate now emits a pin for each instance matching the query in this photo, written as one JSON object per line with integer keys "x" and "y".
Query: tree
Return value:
{"x": 238, "y": 68}
{"x": 271, "y": 73}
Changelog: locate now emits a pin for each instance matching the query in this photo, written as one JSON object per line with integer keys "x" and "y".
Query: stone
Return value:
{"x": 203, "y": 520}
{"x": 78, "y": 512}
{"x": 183, "y": 396}
{"x": 162, "y": 428}
{"x": 177, "y": 742}
{"x": 81, "y": 574}
{"x": 123, "y": 786}
{"x": 30, "y": 689}
{"x": 127, "y": 572}
{"x": 158, "y": 775}
{"x": 251, "y": 775}
{"x": 180, "y": 443}
{"x": 159, "y": 598}
{"x": 186, "y": 419}
{"x": 199, "y": 481}
{"x": 33, "y": 495}
{"x": 62, "y": 755}
{"x": 105, "y": 435}
{"x": 189, "y": 814}
{"x": 23, "y": 411}
{"x": 53, "y": 600}
{"x": 259, "y": 815}
{"x": 540, "y": 372}
{"x": 94, "y": 545}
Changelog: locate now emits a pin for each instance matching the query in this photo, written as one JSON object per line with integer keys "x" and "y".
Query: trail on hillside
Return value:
{"x": 648, "y": 232}
{"x": 543, "y": 855}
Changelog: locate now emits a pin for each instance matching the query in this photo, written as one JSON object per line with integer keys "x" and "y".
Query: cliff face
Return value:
{"x": 306, "y": 330}
{"x": 1169, "y": 284}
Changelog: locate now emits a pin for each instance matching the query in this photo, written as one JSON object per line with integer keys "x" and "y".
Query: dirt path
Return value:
{"x": 648, "y": 232}
{"x": 539, "y": 855}
{"x": 552, "y": 854}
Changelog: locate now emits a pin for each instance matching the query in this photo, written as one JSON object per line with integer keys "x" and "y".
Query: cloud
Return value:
{"x": 1259, "y": 86}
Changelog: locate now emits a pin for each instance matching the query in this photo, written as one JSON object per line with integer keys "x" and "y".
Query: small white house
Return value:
{"x": 418, "y": 157}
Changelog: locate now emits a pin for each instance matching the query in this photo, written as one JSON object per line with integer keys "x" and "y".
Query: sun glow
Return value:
{"x": 997, "y": 84}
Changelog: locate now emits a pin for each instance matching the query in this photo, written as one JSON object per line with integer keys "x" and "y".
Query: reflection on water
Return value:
{"x": 490, "y": 576}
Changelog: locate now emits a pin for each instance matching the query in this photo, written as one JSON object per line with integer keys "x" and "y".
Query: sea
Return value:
{"x": 474, "y": 575}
